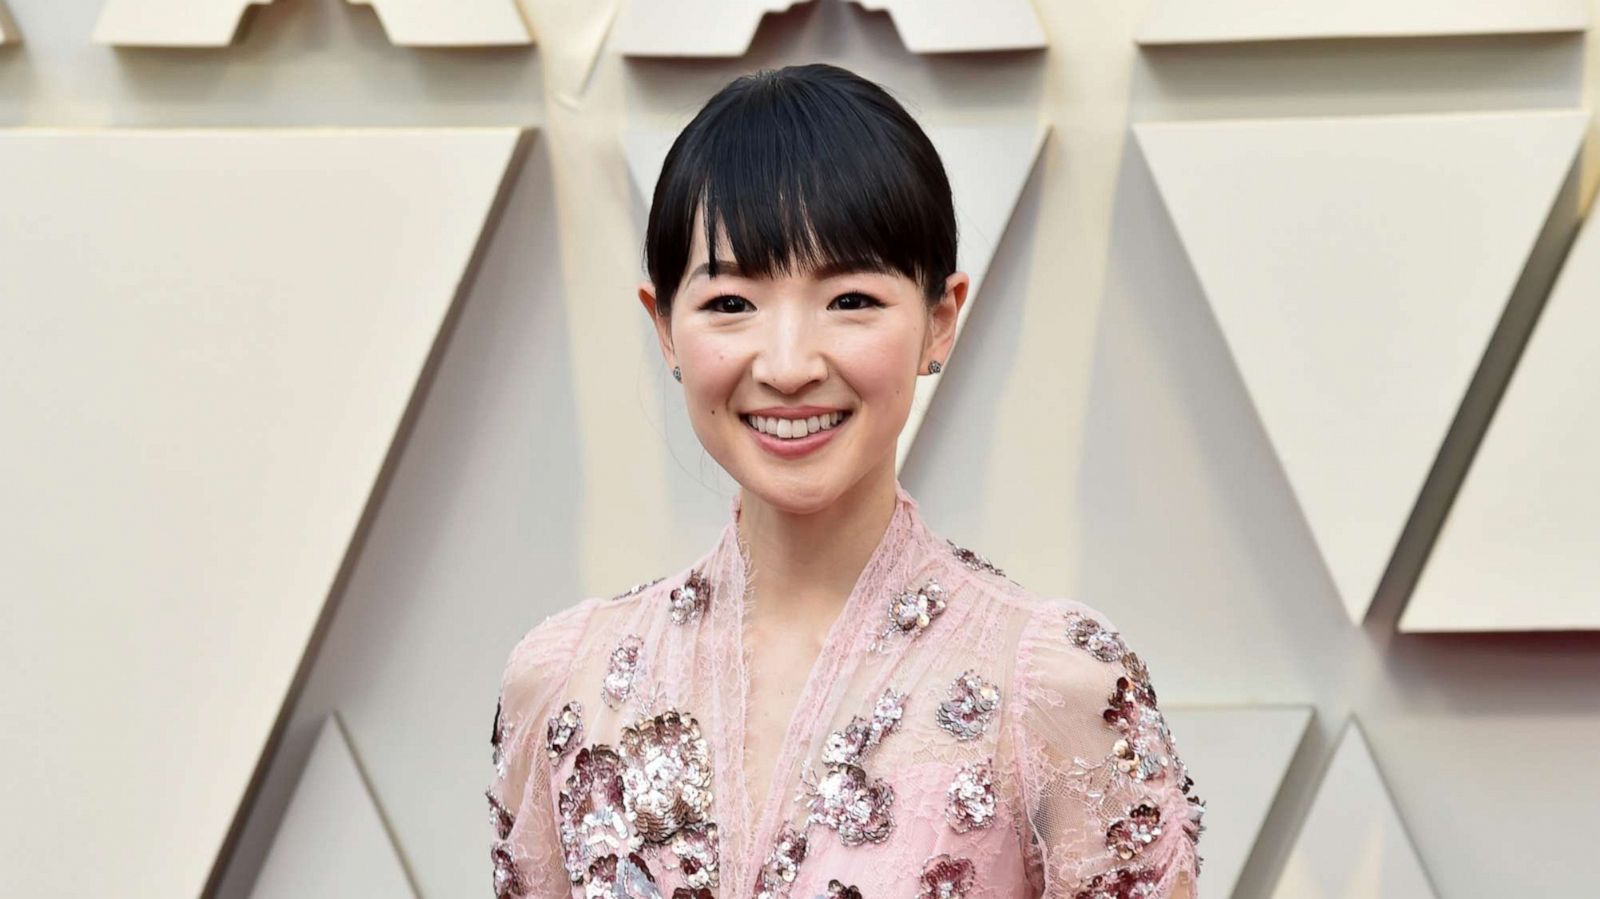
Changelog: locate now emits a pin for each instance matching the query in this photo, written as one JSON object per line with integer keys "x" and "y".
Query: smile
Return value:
{"x": 792, "y": 438}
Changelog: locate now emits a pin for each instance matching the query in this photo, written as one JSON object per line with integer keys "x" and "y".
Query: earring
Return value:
{"x": 934, "y": 367}
{"x": 677, "y": 373}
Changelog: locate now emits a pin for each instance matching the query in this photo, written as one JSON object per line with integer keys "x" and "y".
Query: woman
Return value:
{"x": 833, "y": 700}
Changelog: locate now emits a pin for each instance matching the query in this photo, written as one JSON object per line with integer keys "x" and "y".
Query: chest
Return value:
{"x": 778, "y": 664}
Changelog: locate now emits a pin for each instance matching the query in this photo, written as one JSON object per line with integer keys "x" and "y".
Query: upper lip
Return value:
{"x": 791, "y": 411}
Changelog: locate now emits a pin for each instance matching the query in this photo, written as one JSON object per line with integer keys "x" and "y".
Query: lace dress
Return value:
{"x": 958, "y": 736}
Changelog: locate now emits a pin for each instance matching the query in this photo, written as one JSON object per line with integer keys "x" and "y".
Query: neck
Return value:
{"x": 803, "y": 566}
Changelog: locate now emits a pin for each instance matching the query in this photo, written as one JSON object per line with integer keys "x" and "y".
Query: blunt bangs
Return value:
{"x": 805, "y": 169}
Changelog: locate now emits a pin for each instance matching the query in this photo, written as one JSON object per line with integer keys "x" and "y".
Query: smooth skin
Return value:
{"x": 854, "y": 341}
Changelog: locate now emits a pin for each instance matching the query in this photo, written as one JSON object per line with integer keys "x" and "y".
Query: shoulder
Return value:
{"x": 546, "y": 647}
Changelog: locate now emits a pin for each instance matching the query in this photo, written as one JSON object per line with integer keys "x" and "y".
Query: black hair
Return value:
{"x": 808, "y": 166}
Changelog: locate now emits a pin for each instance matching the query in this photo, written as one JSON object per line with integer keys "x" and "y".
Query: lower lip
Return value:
{"x": 794, "y": 448}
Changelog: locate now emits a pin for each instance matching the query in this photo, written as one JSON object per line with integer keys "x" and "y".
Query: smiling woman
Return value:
{"x": 834, "y": 700}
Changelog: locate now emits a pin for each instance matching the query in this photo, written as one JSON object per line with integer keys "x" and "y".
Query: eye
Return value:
{"x": 869, "y": 302}
{"x": 719, "y": 303}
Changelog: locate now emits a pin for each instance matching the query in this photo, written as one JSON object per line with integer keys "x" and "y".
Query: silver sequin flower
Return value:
{"x": 666, "y": 775}
{"x": 911, "y": 611}
{"x": 859, "y": 736}
{"x": 1087, "y": 633}
{"x": 972, "y": 703}
{"x": 695, "y": 847}
{"x": 972, "y": 560}
{"x": 622, "y": 670}
{"x": 689, "y": 600}
{"x": 845, "y": 799}
{"x": 970, "y": 799}
{"x": 945, "y": 877}
{"x": 620, "y": 877}
{"x": 509, "y": 883}
{"x": 564, "y": 731}
{"x": 593, "y": 818}
{"x": 1145, "y": 745}
{"x": 1128, "y": 836}
{"x": 782, "y": 864}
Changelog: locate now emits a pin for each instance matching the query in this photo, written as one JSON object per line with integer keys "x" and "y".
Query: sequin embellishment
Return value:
{"x": 782, "y": 864}
{"x": 972, "y": 560}
{"x": 625, "y": 877}
{"x": 839, "y": 890}
{"x": 844, "y": 797}
{"x": 639, "y": 588}
{"x": 695, "y": 847}
{"x": 945, "y": 877}
{"x": 622, "y": 670}
{"x": 972, "y": 703}
{"x": 1128, "y": 836}
{"x": 564, "y": 730}
{"x": 970, "y": 799}
{"x": 1102, "y": 643}
{"x": 591, "y": 806}
{"x": 1120, "y": 883}
{"x": 910, "y": 612}
{"x": 689, "y": 600}
{"x": 666, "y": 775}
{"x": 508, "y": 880}
{"x": 499, "y": 816}
{"x": 1144, "y": 751}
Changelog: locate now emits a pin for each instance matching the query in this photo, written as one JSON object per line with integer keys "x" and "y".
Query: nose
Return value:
{"x": 789, "y": 358}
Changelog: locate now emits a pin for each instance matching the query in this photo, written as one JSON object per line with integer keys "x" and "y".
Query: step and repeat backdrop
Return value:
{"x": 322, "y": 380}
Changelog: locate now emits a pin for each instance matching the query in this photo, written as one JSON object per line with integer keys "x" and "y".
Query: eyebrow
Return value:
{"x": 827, "y": 270}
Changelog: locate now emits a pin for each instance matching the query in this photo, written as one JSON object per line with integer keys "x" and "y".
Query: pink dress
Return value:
{"x": 958, "y": 736}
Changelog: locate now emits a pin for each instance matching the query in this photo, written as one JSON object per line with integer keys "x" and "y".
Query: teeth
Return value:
{"x": 792, "y": 428}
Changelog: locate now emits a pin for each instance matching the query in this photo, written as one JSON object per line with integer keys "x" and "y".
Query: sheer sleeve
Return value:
{"x": 1105, "y": 795}
{"x": 526, "y": 848}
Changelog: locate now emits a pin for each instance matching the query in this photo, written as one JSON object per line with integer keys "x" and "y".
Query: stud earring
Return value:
{"x": 677, "y": 373}
{"x": 934, "y": 367}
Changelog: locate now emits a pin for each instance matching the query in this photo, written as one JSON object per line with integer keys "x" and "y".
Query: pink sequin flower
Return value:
{"x": 593, "y": 819}
{"x": 970, "y": 799}
{"x": 972, "y": 703}
{"x": 778, "y": 872}
{"x": 622, "y": 670}
{"x": 690, "y": 599}
{"x": 564, "y": 731}
{"x": 945, "y": 877}
{"x": 666, "y": 775}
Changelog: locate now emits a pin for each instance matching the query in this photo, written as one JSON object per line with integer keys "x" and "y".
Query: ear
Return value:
{"x": 942, "y": 318}
{"x": 662, "y": 323}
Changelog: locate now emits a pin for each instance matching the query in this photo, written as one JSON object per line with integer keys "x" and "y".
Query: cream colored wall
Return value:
{"x": 1091, "y": 434}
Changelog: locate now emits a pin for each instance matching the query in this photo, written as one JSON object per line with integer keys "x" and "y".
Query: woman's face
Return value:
{"x": 832, "y": 356}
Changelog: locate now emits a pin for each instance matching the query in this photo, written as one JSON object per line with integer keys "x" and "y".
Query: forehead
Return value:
{"x": 698, "y": 267}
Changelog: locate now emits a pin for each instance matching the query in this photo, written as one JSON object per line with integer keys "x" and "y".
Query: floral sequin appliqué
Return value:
{"x": 972, "y": 702}
{"x": 1144, "y": 751}
{"x": 845, "y": 797}
{"x": 910, "y": 612}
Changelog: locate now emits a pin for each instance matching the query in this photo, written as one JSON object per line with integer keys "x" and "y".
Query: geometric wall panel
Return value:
{"x": 987, "y": 166}
{"x": 211, "y": 337}
{"x": 1520, "y": 548}
{"x": 1357, "y": 282}
{"x": 1244, "y": 752}
{"x": 726, "y": 27}
{"x": 213, "y": 23}
{"x": 331, "y": 842}
{"x": 1218, "y": 21}
{"x": 1353, "y": 844}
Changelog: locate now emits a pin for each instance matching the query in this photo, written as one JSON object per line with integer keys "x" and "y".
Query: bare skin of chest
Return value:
{"x": 780, "y": 660}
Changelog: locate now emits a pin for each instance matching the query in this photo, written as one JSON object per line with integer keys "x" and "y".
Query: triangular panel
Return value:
{"x": 1357, "y": 283}
{"x": 1218, "y": 21}
{"x": 213, "y": 338}
{"x": 1238, "y": 756}
{"x": 331, "y": 842}
{"x": 1353, "y": 844}
{"x": 1518, "y": 550}
{"x": 726, "y": 27}
{"x": 987, "y": 166}
{"x": 213, "y": 23}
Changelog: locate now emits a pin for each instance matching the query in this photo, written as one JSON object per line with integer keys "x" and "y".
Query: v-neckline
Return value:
{"x": 823, "y": 672}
